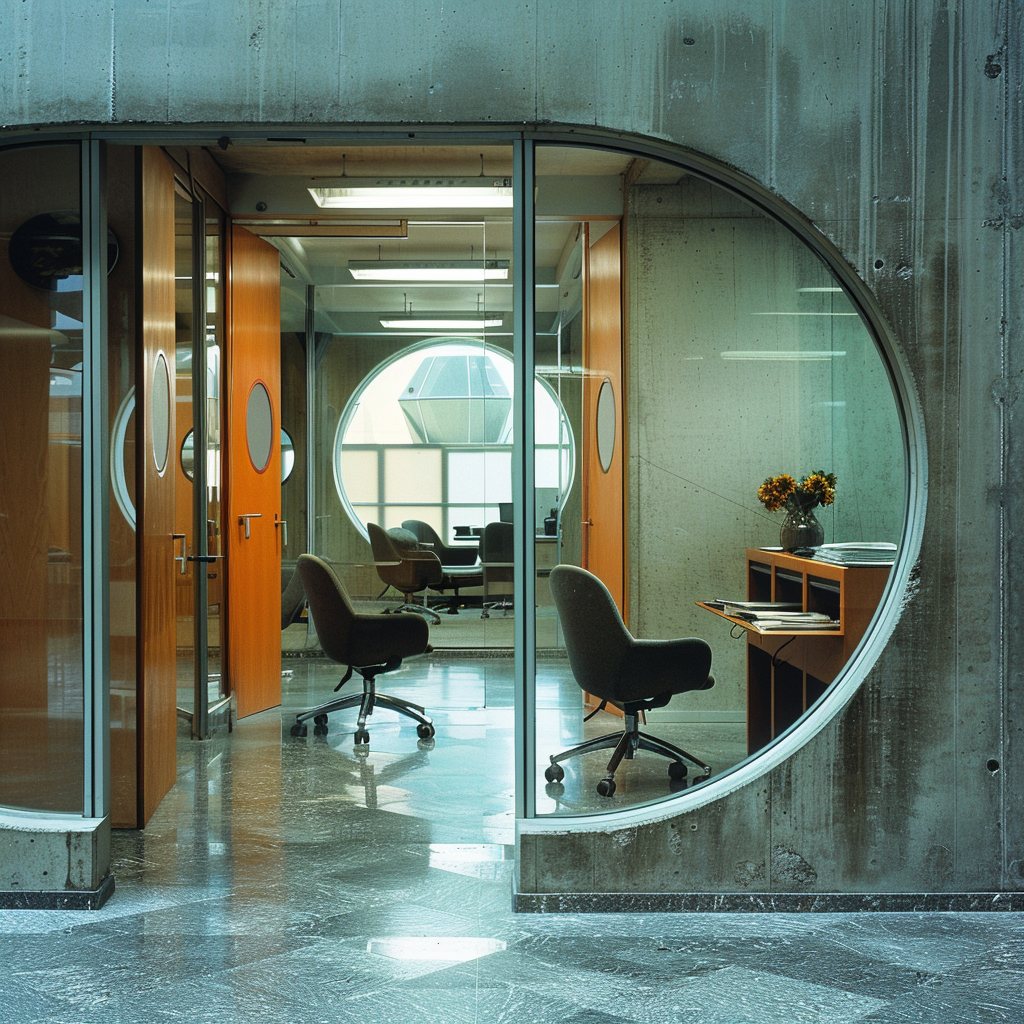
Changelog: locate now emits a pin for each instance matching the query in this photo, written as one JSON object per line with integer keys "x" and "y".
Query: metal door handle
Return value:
{"x": 587, "y": 522}
{"x": 183, "y": 556}
{"x": 244, "y": 519}
{"x": 283, "y": 523}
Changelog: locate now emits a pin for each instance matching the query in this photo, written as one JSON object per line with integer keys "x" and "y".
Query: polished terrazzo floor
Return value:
{"x": 286, "y": 880}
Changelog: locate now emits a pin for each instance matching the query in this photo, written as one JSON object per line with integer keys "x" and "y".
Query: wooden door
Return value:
{"x": 603, "y": 497}
{"x": 254, "y": 474}
{"x": 155, "y": 457}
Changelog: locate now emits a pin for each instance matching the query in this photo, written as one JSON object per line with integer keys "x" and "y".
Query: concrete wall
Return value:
{"x": 896, "y": 130}
{"x": 711, "y": 276}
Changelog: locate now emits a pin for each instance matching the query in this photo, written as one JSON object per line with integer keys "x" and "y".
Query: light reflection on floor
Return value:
{"x": 286, "y": 880}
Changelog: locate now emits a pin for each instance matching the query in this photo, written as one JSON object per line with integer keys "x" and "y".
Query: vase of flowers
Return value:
{"x": 801, "y": 531}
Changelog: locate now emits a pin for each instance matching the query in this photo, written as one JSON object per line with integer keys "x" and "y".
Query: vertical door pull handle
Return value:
{"x": 180, "y": 559}
{"x": 244, "y": 520}
{"x": 283, "y": 524}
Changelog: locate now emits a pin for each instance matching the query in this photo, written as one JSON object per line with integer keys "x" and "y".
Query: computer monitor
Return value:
{"x": 505, "y": 511}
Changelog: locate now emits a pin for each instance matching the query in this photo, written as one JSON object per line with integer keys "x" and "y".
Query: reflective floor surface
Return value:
{"x": 286, "y": 880}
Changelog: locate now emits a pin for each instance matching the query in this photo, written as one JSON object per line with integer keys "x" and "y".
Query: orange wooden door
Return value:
{"x": 603, "y": 497}
{"x": 154, "y": 392}
{"x": 254, "y": 474}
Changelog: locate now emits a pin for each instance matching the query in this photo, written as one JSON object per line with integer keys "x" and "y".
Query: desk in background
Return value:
{"x": 783, "y": 684}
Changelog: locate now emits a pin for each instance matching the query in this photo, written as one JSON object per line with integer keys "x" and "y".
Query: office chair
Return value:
{"x": 367, "y": 644}
{"x": 634, "y": 675}
{"x": 293, "y": 597}
{"x": 497, "y": 553}
{"x": 449, "y": 554}
{"x": 458, "y": 562}
{"x": 404, "y": 566}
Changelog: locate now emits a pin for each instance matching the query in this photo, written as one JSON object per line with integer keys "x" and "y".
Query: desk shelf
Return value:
{"x": 787, "y": 672}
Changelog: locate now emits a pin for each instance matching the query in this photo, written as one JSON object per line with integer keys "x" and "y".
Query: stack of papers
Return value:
{"x": 774, "y": 615}
{"x": 857, "y": 553}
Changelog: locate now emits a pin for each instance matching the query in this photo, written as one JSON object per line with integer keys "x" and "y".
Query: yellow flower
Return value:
{"x": 817, "y": 488}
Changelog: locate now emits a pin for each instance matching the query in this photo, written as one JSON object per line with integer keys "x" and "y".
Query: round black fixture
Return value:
{"x": 47, "y": 248}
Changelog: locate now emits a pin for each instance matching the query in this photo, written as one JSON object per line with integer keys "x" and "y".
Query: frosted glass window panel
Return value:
{"x": 395, "y": 515}
{"x": 469, "y": 516}
{"x": 359, "y": 471}
{"x": 549, "y": 424}
{"x": 479, "y": 477}
{"x": 412, "y": 474}
{"x": 546, "y": 472}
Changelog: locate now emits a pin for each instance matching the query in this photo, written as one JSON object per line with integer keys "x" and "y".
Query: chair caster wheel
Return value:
{"x": 554, "y": 772}
{"x": 320, "y": 720}
{"x": 424, "y": 731}
{"x": 606, "y": 787}
{"x": 362, "y": 737}
{"x": 676, "y": 770}
{"x": 319, "y": 730}
{"x": 300, "y": 729}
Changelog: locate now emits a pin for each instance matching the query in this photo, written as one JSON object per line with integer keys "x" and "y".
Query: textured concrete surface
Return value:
{"x": 895, "y": 131}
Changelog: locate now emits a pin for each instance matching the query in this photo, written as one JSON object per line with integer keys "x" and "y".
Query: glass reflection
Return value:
{"x": 737, "y": 358}
{"x": 41, "y": 339}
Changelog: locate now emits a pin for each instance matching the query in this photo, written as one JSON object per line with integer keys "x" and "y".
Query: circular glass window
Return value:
{"x": 428, "y": 435}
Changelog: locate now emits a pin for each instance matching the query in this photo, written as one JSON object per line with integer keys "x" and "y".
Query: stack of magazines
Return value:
{"x": 857, "y": 553}
{"x": 777, "y": 616}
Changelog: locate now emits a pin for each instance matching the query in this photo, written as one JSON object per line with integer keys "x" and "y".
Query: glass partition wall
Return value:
{"x": 702, "y": 351}
{"x": 688, "y": 348}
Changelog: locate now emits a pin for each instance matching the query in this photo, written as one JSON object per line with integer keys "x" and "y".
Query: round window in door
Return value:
{"x": 606, "y": 424}
{"x": 259, "y": 427}
{"x": 160, "y": 412}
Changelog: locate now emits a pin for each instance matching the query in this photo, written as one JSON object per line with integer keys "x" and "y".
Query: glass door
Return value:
{"x": 199, "y": 590}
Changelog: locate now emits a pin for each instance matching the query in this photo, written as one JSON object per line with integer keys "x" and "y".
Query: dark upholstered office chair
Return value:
{"x": 404, "y": 566}
{"x": 458, "y": 562}
{"x": 367, "y": 644}
{"x": 497, "y": 552}
{"x": 449, "y": 554}
{"x": 293, "y": 597}
{"x": 634, "y": 675}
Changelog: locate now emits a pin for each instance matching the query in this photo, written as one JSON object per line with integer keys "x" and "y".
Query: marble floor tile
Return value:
{"x": 275, "y": 877}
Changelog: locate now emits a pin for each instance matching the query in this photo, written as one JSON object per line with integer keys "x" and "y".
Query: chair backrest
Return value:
{"x": 329, "y": 606}
{"x": 596, "y": 638}
{"x": 413, "y": 570}
{"x": 293, "y": 597}
{"x": 463, "y": 554}
{"x": 497, "y": 543}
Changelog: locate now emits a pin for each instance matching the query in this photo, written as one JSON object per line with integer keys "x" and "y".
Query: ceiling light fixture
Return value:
{"x": 418, "y": 322}
{"x": 413, "y": 193}
{"x": 454, "y": 271}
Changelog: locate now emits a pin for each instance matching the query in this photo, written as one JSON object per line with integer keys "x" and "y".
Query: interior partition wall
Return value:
{"x": 54, "y": 656}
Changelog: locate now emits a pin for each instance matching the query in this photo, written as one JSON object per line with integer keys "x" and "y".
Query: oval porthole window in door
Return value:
{"x": 606, "y": 424}
{"x": 160, "y": 412}
{"x": 259, "y": 424}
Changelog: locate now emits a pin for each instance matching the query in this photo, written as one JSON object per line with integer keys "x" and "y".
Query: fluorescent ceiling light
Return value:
{"x": 441, "y": 323}
{"x": 829, "y": 288}
{"x": 797, "y": 355}
{"x": 413, "y": 193}
{"x": 456, "y": 271}
{"x": 794, "y": 313}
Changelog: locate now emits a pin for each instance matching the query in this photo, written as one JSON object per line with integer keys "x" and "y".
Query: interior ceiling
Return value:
{"x": 279, "y": 173}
